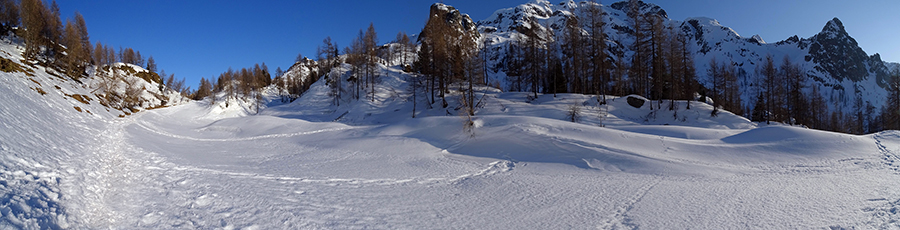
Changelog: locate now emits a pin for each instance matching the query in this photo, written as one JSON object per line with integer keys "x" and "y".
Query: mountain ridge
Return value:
{"x": 831, "y": 59}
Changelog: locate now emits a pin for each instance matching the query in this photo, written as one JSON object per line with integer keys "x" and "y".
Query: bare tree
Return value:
{"x": 151, "y": 64}
{"x": 9, "y": 15}
{"x": 715, "y": 77}
{"x": 75, "y": 57}
{"x": 770, "y": 81}
{"x": 370, "y": 41}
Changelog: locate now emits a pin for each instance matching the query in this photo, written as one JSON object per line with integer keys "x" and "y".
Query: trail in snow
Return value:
{"x": 136, "y": 187}
{"x": 621, "y": 220}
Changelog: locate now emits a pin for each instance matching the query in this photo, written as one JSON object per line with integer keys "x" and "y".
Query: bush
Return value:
{"x": 573, "y": 114}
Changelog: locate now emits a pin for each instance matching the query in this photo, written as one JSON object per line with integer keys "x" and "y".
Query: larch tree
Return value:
{"x": 151, "y": 64}
{"x": 9, "y": 15}
{"x": 32, "y": 12}
{"x": 640, "y": 66}
{"x": 75, "y": 57}
{"x": 770, "y": 80}
{"x": 572, "y": 49}
{"x": 53, "y": 29}
{"x": 657, "y": 54}
{"x": 81, "y": 26}
{"x": 370, "y": 43}
{"x": 714, "y": 76}
{"x": 599, "y": 66}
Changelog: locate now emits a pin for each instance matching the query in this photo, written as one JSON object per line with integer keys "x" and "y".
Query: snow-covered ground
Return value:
{"x": 365, "y": 164}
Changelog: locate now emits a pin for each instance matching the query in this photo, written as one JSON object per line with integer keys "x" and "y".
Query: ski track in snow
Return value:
{"x": 148, "y": 127}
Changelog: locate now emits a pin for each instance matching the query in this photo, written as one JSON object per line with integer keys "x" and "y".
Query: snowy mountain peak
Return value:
{"x": 643, "y": 7}
{"x": 539, "y": 2}
{"x": 758, "y": 39}
{"x": 838, "y": 54}
{"x": 834, "y": 27}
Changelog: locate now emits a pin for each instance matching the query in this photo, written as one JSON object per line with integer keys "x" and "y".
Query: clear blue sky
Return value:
{"x": 194, "y": 39}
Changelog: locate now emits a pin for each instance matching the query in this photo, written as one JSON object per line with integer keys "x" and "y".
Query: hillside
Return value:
{"x": 830, "y": 61}
{"x": 52, "y": 138}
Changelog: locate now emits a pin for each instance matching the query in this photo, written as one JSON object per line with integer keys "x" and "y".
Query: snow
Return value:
{"x": 198, "y": 165}
{"x": 368, "y": 164}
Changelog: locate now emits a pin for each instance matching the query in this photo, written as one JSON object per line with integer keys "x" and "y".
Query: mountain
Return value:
{"x": 830, "y": 60}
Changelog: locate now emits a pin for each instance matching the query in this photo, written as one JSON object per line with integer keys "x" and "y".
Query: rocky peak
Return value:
{"x": 757, "y": 39}
{"x": 453, "y": 17}
{"x": 837, "y": 53}
{"x": 643, "y": 7}
{"x": 835, "y": 28}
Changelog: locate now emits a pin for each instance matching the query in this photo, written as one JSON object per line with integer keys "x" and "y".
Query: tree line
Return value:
{"x": 583, "y": 60}
{"x": 579, "y": 61}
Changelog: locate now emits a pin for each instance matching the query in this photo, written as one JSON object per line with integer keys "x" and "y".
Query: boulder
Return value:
{"x": 635, "y": 101}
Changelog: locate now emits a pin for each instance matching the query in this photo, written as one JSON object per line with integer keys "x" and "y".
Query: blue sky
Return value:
{"x": 194, "y": 39}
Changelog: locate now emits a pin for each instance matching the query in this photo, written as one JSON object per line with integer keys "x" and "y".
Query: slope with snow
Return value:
{"x": 52, "y": 136}
{"x": 831, "y": 59}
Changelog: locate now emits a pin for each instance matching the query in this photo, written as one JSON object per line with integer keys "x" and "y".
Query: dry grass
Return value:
{"x": 82, "y": 98}
{"x": 39, "y": 90}
{"x": 78, "y": 109}
{"x": 10, "y": 66}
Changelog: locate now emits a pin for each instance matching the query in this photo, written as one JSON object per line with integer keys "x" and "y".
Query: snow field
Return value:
{"x": 198, "y": 165}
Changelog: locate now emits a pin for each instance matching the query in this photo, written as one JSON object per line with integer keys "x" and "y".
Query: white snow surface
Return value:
{"x": 368, "y": 164}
